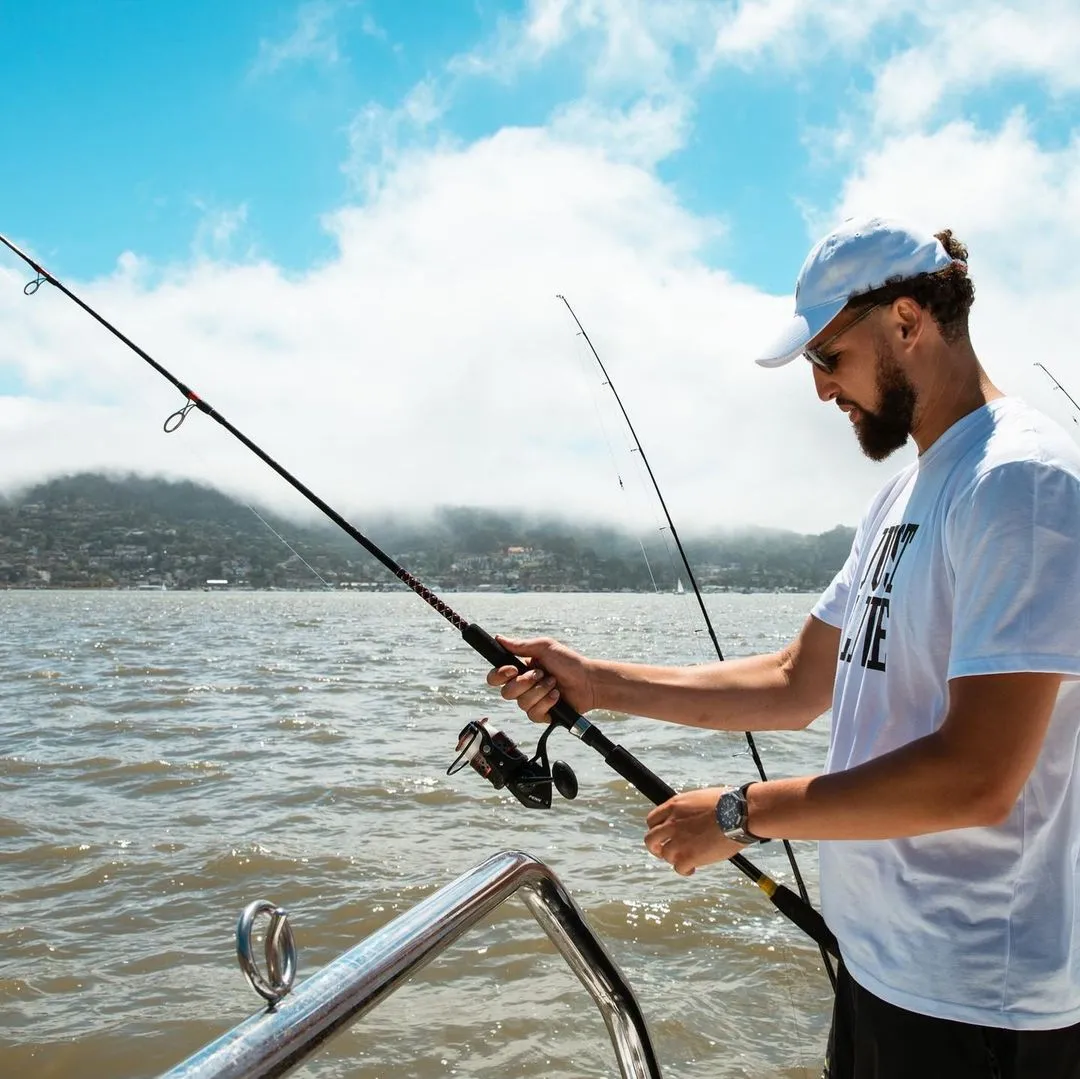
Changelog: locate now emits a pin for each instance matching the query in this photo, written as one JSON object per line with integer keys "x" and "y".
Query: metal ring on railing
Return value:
{"x": 279, "y": 947}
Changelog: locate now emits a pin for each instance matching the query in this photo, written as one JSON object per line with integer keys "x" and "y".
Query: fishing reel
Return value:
{"x": 493, "y": 754}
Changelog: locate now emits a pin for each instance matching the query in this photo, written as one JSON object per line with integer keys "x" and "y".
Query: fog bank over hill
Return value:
{"x": 95, "y": 530}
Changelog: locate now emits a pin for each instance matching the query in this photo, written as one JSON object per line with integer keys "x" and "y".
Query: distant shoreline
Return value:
{"x": 403, "y": 590}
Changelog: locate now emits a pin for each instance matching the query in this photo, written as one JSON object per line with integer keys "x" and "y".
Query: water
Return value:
{"x": 165, "y": 758}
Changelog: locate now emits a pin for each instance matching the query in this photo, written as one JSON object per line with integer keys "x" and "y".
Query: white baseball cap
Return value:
{"x": 862, "y": 254}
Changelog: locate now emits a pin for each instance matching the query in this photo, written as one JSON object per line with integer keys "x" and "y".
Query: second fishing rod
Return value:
{"x": 640, "y": 450}
{"x": 789, "y": 903}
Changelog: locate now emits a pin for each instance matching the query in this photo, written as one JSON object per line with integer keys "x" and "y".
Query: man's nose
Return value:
{"x": 827, "y": 389}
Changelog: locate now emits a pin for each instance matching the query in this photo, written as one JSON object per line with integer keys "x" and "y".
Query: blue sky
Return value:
{"x": 152, "y": 117}
{"x": 272, "y": 188}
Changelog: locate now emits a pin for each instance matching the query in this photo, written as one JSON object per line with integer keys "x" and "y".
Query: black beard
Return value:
{"x": 886, "y": 430}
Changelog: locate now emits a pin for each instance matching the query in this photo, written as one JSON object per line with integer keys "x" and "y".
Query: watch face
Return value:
{"x": 729, "y": 811}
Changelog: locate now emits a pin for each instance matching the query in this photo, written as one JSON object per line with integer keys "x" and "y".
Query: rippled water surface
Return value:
{"x": 165, "y": 758}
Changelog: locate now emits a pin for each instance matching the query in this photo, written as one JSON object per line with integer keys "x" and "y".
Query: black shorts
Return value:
{"x": 870, "y": 1039}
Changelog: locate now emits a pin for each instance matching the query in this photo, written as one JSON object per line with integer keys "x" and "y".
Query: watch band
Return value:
{"x": 731, "y": 815}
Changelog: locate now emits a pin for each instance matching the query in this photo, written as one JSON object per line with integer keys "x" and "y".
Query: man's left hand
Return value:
{"x": 683, "y": 831}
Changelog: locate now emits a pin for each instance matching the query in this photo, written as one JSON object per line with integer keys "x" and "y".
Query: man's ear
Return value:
{"x": 911, "y": 319}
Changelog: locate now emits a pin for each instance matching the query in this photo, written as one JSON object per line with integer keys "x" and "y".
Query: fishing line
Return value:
{"x": 199, "y": 454}
{"x": 1076, "y": 407}
{"x": 585, "y": 363}
{"x": 795, "y": 907}
{"x": 326, "y": 584}
{"x": 588, "y": 366}
{"x": 751, "y": 744}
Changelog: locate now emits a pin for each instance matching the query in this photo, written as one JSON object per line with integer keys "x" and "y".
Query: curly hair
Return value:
{"x": 947, "y": 294}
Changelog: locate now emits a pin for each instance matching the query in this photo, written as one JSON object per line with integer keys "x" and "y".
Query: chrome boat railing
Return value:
{"x": 296, "y": 1023}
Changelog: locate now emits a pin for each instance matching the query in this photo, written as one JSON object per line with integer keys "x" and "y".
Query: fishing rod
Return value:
{"x": 529, "y": 779}
{"x": 1060, "y": 387}
{"x": 697, "y": 593}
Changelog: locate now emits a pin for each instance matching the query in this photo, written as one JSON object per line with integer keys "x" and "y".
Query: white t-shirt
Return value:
{"x": 967, "y": 563}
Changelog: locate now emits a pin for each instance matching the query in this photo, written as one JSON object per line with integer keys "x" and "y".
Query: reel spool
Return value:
{"x": 493, "y": 754}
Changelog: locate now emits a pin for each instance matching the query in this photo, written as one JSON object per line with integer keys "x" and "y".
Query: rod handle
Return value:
{"x": 657, "y": 791}
{"x": 802, "y": 914}
{"x": 497, "y": 655}
{"x": 632, "y": 770}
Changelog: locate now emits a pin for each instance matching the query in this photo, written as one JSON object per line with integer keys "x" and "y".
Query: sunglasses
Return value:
{"x": 820, "y": 357}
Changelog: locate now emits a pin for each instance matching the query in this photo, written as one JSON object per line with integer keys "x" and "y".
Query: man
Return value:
{"x": 948, "y": 647}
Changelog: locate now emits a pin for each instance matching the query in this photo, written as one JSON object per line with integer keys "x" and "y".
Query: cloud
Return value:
{"x": 798, "y": 34}
{"x": 378, "y": 136}
{"x": 627, "y": 50}
{"x": 428, "y": 361}
{"x": 645, "y": 133}
{"x": 922, "y": 58}
{"x": 636, "y": 100}
{"x": 1018, "y": 202}
{"x": 313, "y": 40}
{"x": 642, "y": 64}
{"x": 218, "y": 230}
{"x": 1017, "y": 207}
{"x": 974, "y": 45}
{"x": 635, "y": 104}
{"x": 370, "y": 28}
{"x": 917, "y": 52}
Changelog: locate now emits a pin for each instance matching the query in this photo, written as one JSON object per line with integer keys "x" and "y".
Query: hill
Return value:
{"x": 94, "y": 531}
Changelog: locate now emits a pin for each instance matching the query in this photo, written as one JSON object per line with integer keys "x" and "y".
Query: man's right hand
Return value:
{"x": 554, "y": 671}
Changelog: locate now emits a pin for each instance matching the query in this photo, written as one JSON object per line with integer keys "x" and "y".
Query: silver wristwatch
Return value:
{"x": 731, "y": 814}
